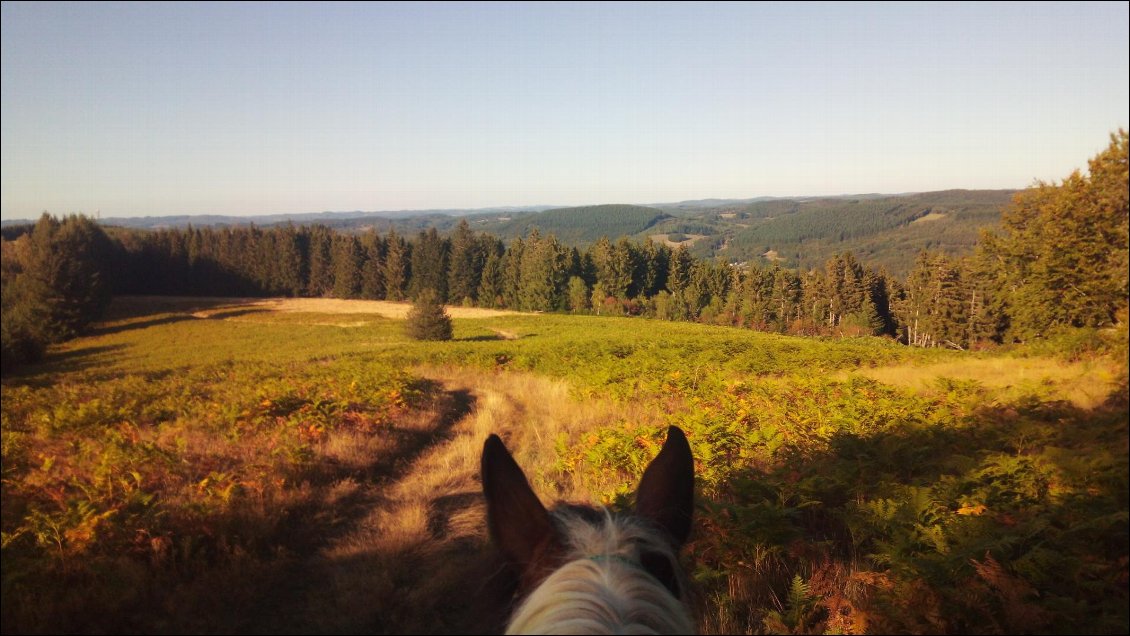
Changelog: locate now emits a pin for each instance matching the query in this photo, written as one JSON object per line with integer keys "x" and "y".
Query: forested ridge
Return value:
{"x": 1058, "y": 260}
{"x": 887, "y": 231}
{"x": 586, "y": 224}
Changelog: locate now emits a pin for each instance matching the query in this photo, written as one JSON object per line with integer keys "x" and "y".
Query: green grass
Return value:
{"x": 846, "y": 485}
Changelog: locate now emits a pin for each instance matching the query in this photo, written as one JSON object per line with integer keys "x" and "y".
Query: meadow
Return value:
{"x": 216, "y": 467}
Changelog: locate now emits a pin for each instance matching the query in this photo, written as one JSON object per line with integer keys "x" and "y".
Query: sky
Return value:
{"x": 152, "y": 109}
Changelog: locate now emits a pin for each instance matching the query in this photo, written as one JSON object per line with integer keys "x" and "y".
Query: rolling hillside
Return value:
{"x": 882, "y": 232}
{"x": 583, "y": 225}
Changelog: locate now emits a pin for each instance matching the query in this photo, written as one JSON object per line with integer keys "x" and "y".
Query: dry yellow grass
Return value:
{"x": 205, "y": 307}
{"x": 1086, "y": 383}
{"x": 384, "y": 308}
{"x": 930, "y": 216}
{"x": 424, "y": 546}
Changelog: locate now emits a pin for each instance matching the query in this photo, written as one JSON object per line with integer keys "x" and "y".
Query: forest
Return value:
{"x": 1059, "y": 259}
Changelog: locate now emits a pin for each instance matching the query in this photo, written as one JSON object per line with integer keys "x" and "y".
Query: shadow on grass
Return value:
{"x": 234, "y": 313}
{"x": 128, "y": 307}
{"x": 133, "y": 325}
{"x": 250, "y": 569}
{"x": 71, "y": 360}
{"x": 1039, "y": 486}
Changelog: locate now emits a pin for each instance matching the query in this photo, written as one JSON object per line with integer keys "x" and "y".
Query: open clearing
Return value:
{"x": 207, "y": 307}
{"x": 384, "y": 308}
{"x": 662, "y": 239}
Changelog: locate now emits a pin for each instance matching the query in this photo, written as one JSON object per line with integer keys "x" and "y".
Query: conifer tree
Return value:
{"x": 512, "y": 274}
{"x": 348, "y": 260}
{"x": 466, "y": 265}
{"x": 321, "y": 261}
{"x": 544, "y": 267}
{"x": 490, "y": 285}
{"x": 58, "y": 289}
{"x": 290, "y": 266}
{"x": 428, "y": 320}
{"x": 1061, "y": 256}
{"x": 396, "y": 266}
{"x": 372, "y": 273}
{"x": 430, "y": 255}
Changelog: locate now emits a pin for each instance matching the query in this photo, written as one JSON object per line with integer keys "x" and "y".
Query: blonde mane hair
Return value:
{"x": 589, "y": 571}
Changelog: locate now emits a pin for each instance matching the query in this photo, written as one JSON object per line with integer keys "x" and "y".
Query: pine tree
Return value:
{"x": 490, "y": 285}
{"x": 348, "y": 260}
{"x": 372, "y": 272}
{"x": 544, "y": 267}
{"x": 465, "y": 270}
{"x": 512, "y": 274}
{"x": 655, "y": 262}
{"x": 428, "y": 320}
{"x": 430, "y": 255}
{"x": 1061, "y": 256}
{"x": 290, "y": 262}
{"x": 58, "y": 289}
{"x": 321, "y": 261}
{"x": 396, "y": 272}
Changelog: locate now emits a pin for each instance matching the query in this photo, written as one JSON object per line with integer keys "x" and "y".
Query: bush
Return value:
{"x": 428, "y": 320}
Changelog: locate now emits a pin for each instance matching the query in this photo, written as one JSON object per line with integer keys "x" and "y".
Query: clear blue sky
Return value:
{"x": 171, "y": 108}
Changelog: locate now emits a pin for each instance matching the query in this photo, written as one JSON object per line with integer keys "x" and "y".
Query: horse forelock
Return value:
{"x": 607, "y": 582}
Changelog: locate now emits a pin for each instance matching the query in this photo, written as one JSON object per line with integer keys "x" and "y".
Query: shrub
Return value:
{"x": 428, "y": 320}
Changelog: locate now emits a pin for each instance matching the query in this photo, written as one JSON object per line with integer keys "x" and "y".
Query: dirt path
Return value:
{"x": 420, "y": 560}
{"x": 403, "y": 545}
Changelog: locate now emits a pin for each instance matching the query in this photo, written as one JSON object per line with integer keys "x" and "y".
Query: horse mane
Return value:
{"x": 589, "y": 571}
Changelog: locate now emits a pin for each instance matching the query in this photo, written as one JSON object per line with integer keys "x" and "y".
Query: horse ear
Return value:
{"x": 666, "y": 492}
{"x": 519, "y": 524}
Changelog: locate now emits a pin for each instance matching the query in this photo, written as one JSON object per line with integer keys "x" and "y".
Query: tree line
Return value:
{"x": 1059, "y": 260}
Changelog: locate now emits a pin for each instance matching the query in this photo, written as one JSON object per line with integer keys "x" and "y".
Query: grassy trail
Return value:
{"x": 423, "y": 548}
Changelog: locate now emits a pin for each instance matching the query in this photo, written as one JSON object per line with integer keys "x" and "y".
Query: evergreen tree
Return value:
{"x": 396, "y": 272}
{"x": 786, "y": 296}
{"x": 320, "y": 243}
{"x": 57, "y": 289}
{"x": 289, "y": 260}
{"x": 429, "y": 265}
{"x": 348, "y": 262}
{"x": 65, "y": 268}
{"x": 543, "y": 271}
{"x": 465, "y": 271}
{"x": 372, "y": 272}
{"x": 490, "y": 286}
{"x": 428, "y": 320}
{"x": 1061, "y": 256}
{"x": 679, "y": 273}
{"x": 615, "y": 266}
{"x": 655, "y": 262}
{"x": 512, "y": 274}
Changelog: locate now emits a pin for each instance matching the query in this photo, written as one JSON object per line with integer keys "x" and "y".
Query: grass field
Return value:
{"x": 211, "y": 466}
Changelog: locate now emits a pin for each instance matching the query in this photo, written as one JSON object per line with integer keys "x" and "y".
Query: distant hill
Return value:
{"x": 881, "y": 232}
{"x": 585, "y": 225}
{"x": 342, "y": 220}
